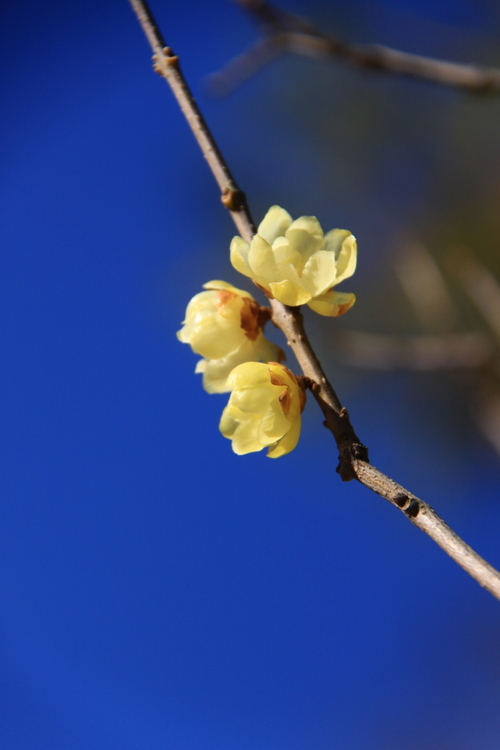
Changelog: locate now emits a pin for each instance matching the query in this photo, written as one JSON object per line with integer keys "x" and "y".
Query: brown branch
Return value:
{"x": 353, "y": 455}
{"x": 286, "y": 32}
{"x": 166, "y": 63}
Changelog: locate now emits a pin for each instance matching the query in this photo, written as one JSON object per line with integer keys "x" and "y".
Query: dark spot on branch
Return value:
{"x": 413, "y": 509}
{"x": 402, "y": 500}
{"x": 409, "y": 506}
{"x": 233, "y": 198}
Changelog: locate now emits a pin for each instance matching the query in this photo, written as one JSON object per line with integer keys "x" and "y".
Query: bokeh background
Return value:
{"x": 157, "y": 591}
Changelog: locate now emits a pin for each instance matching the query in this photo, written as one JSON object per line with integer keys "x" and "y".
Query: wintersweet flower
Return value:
{"x": 264, "y": 409}
{"x": 224, "y": 325}
{"x": 295, "y": 262}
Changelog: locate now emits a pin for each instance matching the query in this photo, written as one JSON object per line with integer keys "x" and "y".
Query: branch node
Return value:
{"x": 165, "y": 58}
{"x": 233, "y": 198}
{"x": 360, "y": 452}
{"x": 409, "y": 505}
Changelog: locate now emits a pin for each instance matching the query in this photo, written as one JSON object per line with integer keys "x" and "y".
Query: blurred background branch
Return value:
{"x": 285, "y": 32}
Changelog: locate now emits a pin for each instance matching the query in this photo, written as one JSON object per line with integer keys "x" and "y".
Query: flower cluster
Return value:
{"x": 295, "y": 263}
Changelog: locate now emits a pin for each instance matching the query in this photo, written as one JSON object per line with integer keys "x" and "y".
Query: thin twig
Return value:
{"x": 166, "y": 63}
{"x": 289, "y": 33}
{"x": 353, "y": 455}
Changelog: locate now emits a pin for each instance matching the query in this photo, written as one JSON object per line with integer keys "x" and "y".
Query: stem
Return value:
{"x": 166, "y": 63}
{"x": 353, "y": 455}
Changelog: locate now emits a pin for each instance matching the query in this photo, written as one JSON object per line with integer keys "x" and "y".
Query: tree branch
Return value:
{"x": 418, "y": 353}
{"x": 353, "y": 455}
{"x": 286, "y": 32}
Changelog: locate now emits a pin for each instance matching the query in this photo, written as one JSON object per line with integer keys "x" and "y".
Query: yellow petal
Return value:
{"x": 287, "y": 443}
{"x": 245, "y": 438}
{"x": 304, "y": 243}
{"x": 213, "y": 337}
{"x": 253, "y": 401}
{"x": 217, "y": 285}
{"x": 284, "y": 253}
{"x": 238, "y": 254}
{"x": 320, "y": 272}
{"x": 227, "y": 424}
{"x": 216, "y": 371}
{"x": 261, "y": 260}
{"x": 274, "y": 224}
{"x": 343, "y": 244}
{"x": 273, "y": 424}
{"x": 289, "y": 293}
{"x": 332, "y": 304}
{"x": 309, "y": 224}
{"x": 255, "y": 373}
{"x": 201, "y": 301}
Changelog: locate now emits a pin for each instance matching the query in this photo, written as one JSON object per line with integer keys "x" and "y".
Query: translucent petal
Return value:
{"x": 343, "y": 244}
{"x": 228, "y": 307}
{"x": 212, "y": 339}
{"x": 304, "y": 243}
{"x": 289, "y": 293}
{"x": 215, "y": 374}
{"x": 183, "y": 336}
{"x": 320, "y": 272}
{"x": 266, "y": 351}
{"x": 287, "y": 443}
{"x": 273, "y": 424}
{"x": 310, "y": 224}
{"x": 238, "y": 254}
{"x": 227, "y": 424}
{"x": 284, "y": 253}
{"x": 254, "y": 401}
{"x": 216, "y": 371}
{"x": 261, "y": 260}
{"x": 332, "y": 304}
{"x": 201, "y": 301}
{"x": 245, "y": 438}
{"x": 274, "y": 224}
{"x": 218, "y": 285}
{"x": 248, "y": 374}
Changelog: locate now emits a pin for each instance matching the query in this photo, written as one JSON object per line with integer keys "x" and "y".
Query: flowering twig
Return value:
{"x": 353, "y": 455}
{"x": 285, "y": 32}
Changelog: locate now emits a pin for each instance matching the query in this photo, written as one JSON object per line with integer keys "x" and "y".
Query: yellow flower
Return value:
{"x": 264, "y": 409}
{"x": 224, "y": 325}
{"x": 296, "y": 263}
